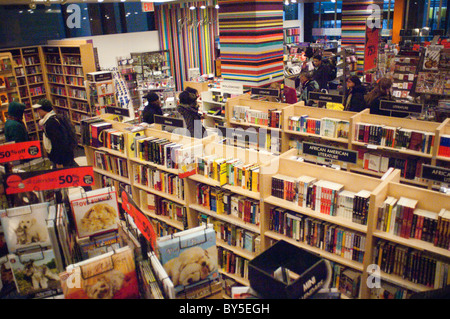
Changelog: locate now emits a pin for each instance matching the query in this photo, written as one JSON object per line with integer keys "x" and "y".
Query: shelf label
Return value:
{"x": 336, "y": 154}
{"x": 49, "y": 179}
{"x": 20, "y": 151}
{"x": 434, "y": 173}
{"x": 394, "y": 106}
{"x": 325, "y": 97}
{"x": 232, "y": 88}
{"x": 117, "y": 111}
{"x": 164, "y": 120}
{"x": 139, "y": 218}
{"x": 265, "y": 92}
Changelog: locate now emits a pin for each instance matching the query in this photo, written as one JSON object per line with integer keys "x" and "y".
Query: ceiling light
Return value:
{"x": 192, "y": 8}
{"x": 286, "y": 3}
{"x": 217, "y": 6}
{"x": 202, "y": 7}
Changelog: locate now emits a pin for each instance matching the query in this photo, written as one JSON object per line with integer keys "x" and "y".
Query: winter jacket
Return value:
{"x": 57, "y": 148}
{"x": 354, "y": 99}
{"x": 15, "y": 130}
{"x": 322, "y": 75}
{"x": 192, "y": 119}
{"x": 310, "y": 86}
{"x": 149, "y": 112}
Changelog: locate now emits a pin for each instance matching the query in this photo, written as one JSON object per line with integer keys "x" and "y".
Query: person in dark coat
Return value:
{"x": 188, "y": 108}
{"x": 354, "y": 97}
{"x": 321, "y": 73}
{"x": 15, "y": 130}
{"x": 152, "y": 108}
{"x": 380, "y": 92}
{"x": 307, "y": 85}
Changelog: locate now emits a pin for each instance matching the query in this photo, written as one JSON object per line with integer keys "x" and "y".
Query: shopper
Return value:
{"x": 354, "y": 96}
{"x": 56, "y": 138}
{"x": 307, "y": 85}
{"x": 152, "y": 108}
{"x": 380, "y": 92}
{"x": 321, "y": 73}
{"x": 192, "y": 90}
{"x": 188, "y": 108}
{"x": 15, "y": 130}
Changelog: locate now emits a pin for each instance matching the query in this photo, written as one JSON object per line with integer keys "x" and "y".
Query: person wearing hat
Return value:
{"x": 354, "y": 97}
{"x": 188, "y": 108}
{"x": 15, "y": 130}
{"x": 53, "y": 139}
{"x": 152, "y": 108}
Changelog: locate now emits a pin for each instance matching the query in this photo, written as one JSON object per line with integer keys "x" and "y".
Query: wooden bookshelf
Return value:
{"x": 8, "y": 87}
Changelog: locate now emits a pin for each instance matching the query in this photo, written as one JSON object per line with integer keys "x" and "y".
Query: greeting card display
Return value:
{"x": 108, "y": 276}
{"x": 95, "y": 212}
{"x": 26, "y": 226}
{"x": 35, "y": 272}
{"x": 189, "y": 257}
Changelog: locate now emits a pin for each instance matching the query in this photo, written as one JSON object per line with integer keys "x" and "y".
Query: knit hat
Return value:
{"x": 44, "y": 104}
{"x": 16, "y": 109}
{"x": 187, "y": 98}
{"x": 151, "y": 97}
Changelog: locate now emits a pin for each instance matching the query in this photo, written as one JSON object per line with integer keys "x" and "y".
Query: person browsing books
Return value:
{"x": 354, "y": 97}
{"x": 188, "y": 108}
{"x": 152, "y": 108}
{"x": 15, "y": 130}
{"x": 307, "y": 85}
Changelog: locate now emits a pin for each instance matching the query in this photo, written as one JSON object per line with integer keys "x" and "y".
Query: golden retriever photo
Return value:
{"x": 106, "y": 285}
{"x": 100, "y": 216}
{"x": 192, "y": 265}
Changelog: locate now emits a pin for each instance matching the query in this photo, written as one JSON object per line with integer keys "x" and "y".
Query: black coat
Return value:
{"x": 193, "y": 120}
{"x": 375, "y": 106}
{"x": 149, "y": 112}
{"x": 356, "y": 96}
{"x": 322, "y": 75}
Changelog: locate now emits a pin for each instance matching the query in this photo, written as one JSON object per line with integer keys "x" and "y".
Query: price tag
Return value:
{"x": 372, "y": 147}
{"x": 20, "y": 151}
{"x": 49, "y": 179}
{"x": 139, "y": 218}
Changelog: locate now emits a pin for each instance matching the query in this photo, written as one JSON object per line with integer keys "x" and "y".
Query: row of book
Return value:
{"x": 77, "y": 93}
{"x": 328, "y": 127}
{"x": 410, "y": 168}
{"x": 110, "y": 163}
{"x": 160, "y": 206}
{"x": 5, "y": 64}
{"x": 270, "y": 118}
{"x": 416, "y": 266}
{"x": 323, "y": 235}
{"x": 37, "y": 90}
{"x": 394, "y": 137}
{"x": 159, "y": 180}
{"x": 322, "y": 196}
{"x": 345, "y": 280}
{"x": 160, "y": 151}
{"x": 444, "y": 146}
{"x": 231, "y": 263}
{"x": 401, "y": 217}
{"x": 232, "y": 171}
{"x": 233, "y": 235}
{"x": 228, "y": 203}
{"x": 98, "y": 133}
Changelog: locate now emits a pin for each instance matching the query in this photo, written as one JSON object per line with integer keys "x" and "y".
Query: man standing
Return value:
{"x": 55, "y": 138}
{"x": 321, "y": 72}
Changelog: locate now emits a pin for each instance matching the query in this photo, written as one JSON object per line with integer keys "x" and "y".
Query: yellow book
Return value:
{"x": 255, "y": 179}
{"x": 219, "y": 202}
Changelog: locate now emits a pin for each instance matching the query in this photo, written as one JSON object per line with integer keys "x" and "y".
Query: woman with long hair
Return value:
{"x": 354, "y": 97}
{"x": 380, "y": 92}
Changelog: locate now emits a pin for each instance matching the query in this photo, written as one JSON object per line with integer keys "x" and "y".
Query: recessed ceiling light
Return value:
{"x": 192, "y": 8}
{"x": 217, "y": 6}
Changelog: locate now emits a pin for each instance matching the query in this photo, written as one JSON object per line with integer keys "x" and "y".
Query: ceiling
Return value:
{"x": 19, "y": 2}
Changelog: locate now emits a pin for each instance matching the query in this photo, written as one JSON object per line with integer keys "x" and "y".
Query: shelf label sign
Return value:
{"x": 49, "y": 179}
{"x": 117, "y": 111}
{"x": 140, "y": 219}
{"x": 265, "y": 92}
{"x": 20, "y": 151}
{"x": 400, "y": 107}
{"x": 325, "y": 97}
{"x": 336, "y": 154}
{"x": 164, "y": 120}
{"x": 232, "y": 88}
{"x": 434, "y": 173}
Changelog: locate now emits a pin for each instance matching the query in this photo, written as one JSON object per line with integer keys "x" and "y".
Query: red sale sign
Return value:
{"x": 49, "y": 179}
{"x": 20, "y": 151}
{"x": 141, "y": 221}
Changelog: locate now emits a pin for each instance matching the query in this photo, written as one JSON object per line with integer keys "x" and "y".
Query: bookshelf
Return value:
{"x": 67, "y": 67}
{"x": 8, "y": 86}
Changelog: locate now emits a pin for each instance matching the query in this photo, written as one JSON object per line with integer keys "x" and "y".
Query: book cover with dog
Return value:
{"x": 35, "y": 273}
{"x": 189, "y": 257}
{"x": 95, "y": 212}
{"x": 26, "y": 226}
{"x": 108, "y": 276}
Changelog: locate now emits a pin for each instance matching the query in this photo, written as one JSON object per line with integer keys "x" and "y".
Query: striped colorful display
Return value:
{"x": 251, "y": 41}
{"x": 354, "y": 20}
{"x": 189, "y": 35}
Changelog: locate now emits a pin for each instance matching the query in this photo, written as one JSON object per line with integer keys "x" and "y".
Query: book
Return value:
{"x": 162, "y": 276}
{"x": 26, "y": 226}
{"x": 189, "y": 257}
{"x": 95, "y": 212}
{"x": 108, "y": 276}
{"x": 51, "y": 226}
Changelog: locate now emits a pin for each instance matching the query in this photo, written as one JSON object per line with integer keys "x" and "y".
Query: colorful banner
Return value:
{"x": 20, "y": 151}
{"x": 49, "y": 179}
{"x": 371, "y": 49}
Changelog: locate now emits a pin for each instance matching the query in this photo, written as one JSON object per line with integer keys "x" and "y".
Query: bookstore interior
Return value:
{"x": 322, "y": 171}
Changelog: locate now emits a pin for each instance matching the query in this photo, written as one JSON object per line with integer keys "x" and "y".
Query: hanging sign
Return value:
{"x": 49, "y": 179}
{"x": 139, "y": 218}
{"x": 148, "y": 6}
{"x": 20, "y": 151}
{"x": 371, "y": 48}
